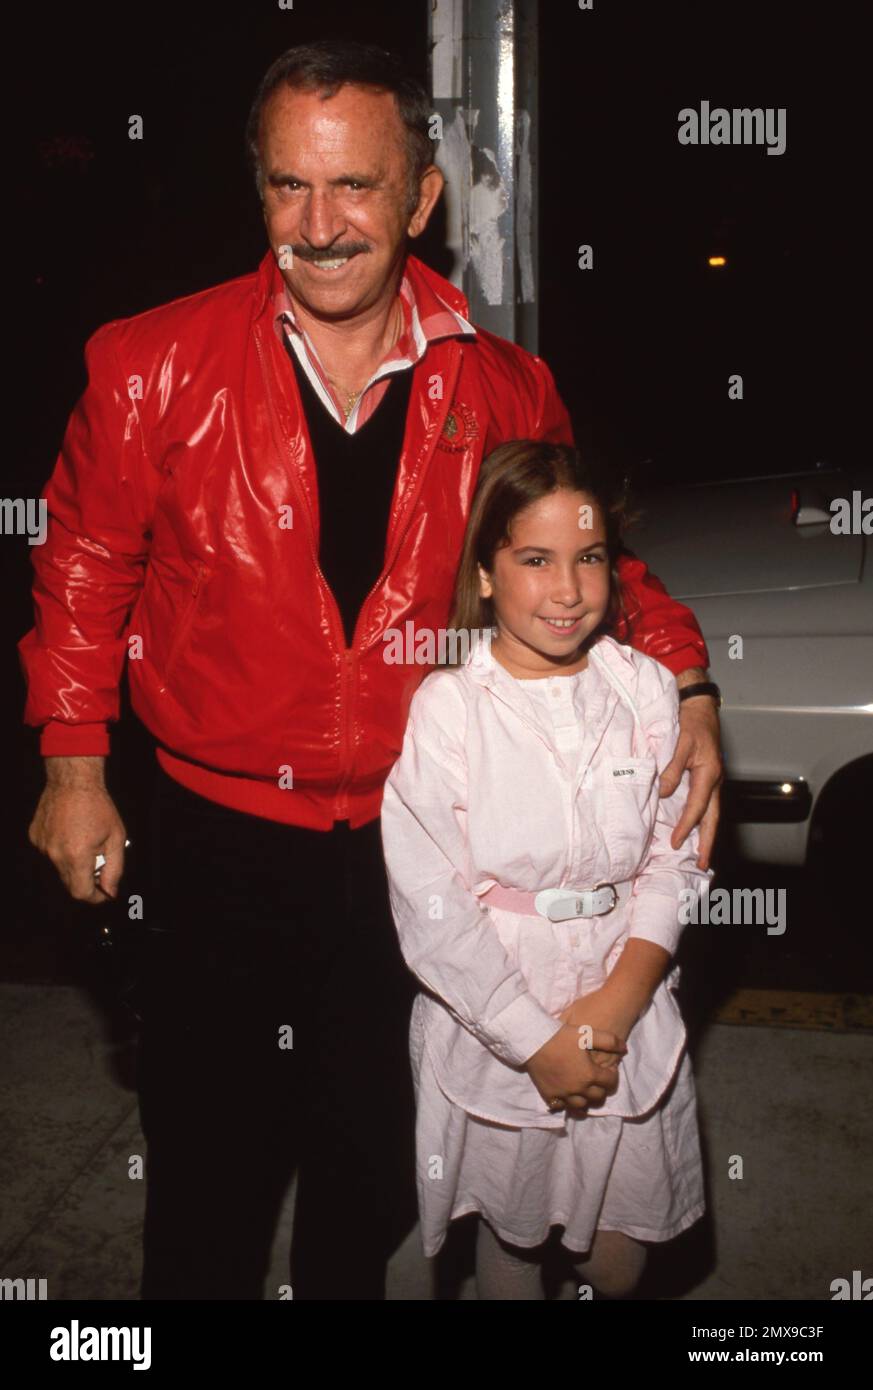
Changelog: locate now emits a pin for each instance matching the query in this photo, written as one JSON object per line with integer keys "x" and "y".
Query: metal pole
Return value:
{"x": 484, "y": 84}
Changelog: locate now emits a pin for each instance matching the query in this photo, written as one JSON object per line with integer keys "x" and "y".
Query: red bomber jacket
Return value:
{"x": 182, "y": 544}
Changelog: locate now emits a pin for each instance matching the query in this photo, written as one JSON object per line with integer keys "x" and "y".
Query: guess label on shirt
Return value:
{"x": 631, "y": 772}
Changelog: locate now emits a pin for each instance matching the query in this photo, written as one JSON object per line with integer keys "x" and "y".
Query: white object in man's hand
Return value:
{"x": 101, "y": 860}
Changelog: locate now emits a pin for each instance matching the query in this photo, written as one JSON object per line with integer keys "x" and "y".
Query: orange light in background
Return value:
{"x": 717, "y": 260}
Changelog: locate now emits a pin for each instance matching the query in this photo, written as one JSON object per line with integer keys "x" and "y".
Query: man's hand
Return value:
{"x": 76, "y": 820}
{"x": 699, "y": 749}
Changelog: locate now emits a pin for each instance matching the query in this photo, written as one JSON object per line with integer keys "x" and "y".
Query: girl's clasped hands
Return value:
{"x": 580, "y": 1064}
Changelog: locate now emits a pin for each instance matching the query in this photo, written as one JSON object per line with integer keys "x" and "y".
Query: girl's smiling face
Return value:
{"x": 556, "y": 566}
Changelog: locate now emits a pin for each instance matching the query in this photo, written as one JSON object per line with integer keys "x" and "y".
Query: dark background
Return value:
{"x": 641, "y": 347}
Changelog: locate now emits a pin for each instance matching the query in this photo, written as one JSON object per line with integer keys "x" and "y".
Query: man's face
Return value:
{"x": 335, "y": 189}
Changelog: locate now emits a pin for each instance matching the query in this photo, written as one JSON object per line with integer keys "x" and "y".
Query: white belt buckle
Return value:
{"x": 562, "y": 904}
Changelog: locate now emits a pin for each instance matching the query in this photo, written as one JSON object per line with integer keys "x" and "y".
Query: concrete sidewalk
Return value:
{"x": 795, "y": 1105}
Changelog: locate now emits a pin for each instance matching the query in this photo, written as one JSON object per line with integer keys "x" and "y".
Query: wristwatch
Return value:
{"x": 686, "y": 692}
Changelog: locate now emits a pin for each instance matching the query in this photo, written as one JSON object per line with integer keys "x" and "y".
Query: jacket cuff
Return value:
{"x": 682, "y": 658}
{"x": 59, "y": 740}
{"x": 522, "y": 1028}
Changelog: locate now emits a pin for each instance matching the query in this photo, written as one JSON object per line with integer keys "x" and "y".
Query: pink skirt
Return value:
{"x": 641, "y": 1176}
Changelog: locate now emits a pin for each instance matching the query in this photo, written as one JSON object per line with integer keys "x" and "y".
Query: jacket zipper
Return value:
{"x": 410, "y": 510}
{"x": 185, "y": 622}
{"x": 346, "y": 653}
{"x": 342, "y": 807}
{"x": 411, "y": 507}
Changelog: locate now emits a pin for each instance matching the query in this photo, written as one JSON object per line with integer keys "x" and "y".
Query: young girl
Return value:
{"x": 535, "y": 895}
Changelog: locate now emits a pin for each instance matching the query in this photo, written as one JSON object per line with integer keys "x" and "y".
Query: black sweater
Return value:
{"x": 356, "y": 476}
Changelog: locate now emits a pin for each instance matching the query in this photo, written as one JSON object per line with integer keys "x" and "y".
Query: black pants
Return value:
{"x": 275, "y": 1009}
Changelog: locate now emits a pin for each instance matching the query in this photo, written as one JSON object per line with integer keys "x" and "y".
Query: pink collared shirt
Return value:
{"x": 488, "y": 789}
{"x": 439, "y": 321}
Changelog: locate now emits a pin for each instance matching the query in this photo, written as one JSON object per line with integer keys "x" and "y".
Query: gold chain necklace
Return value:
{"x": 353, "y": 396}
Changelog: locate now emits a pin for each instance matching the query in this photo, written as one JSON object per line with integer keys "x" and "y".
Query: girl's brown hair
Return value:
{"x": 512, "y": 477}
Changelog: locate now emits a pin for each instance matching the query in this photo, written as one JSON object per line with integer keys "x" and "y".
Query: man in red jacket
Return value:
{"x": 258, "y": 483}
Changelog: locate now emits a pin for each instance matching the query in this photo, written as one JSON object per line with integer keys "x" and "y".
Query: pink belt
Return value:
{"x": 560, "y": 904}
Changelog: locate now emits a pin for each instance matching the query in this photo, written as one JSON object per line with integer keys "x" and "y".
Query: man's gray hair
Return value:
{"x": 324, "y": 67}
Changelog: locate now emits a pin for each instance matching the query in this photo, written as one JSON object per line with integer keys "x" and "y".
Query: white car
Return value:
{"x": 778, "y": 572}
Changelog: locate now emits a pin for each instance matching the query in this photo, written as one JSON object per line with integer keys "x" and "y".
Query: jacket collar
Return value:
{"x": 425, "y": 421}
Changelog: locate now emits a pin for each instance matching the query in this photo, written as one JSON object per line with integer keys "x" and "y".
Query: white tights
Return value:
{"x": 613, "y": 1266}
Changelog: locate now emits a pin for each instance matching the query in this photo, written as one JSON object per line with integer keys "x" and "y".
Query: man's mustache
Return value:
{"x": 309, "y": 253}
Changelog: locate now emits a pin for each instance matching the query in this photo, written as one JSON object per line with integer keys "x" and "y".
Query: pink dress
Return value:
{"x": 531, "y": 785}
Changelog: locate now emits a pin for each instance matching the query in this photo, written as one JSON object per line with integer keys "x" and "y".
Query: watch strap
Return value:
{"x": 687, "y": 692}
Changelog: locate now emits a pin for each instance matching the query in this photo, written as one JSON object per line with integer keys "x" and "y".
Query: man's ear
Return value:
{"x": 430, "y": 186}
